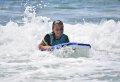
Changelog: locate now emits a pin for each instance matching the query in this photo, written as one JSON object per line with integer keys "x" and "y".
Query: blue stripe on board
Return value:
{"x": 70, "y": 43}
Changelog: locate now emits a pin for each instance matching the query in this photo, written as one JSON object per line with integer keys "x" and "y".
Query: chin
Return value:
{"x": 58, "y": 35}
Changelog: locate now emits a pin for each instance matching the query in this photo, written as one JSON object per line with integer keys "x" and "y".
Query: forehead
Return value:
{"x": 58, "y": 26}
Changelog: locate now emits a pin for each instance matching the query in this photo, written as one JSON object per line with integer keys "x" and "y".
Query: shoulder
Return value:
{"x": 47, "y": 35}
{"x": 46, "y": 39}
{"x": 51, "y": 33}
{"x": 65, "y": 35}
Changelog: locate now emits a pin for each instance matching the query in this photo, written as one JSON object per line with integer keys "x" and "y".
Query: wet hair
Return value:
{"x": 57, "y": 22}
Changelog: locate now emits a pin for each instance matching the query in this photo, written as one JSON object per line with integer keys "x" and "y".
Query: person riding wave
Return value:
{"x": 55, "y": 37}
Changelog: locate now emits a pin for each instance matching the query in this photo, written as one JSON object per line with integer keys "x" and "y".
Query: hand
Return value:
{"x": 48, "y": 48}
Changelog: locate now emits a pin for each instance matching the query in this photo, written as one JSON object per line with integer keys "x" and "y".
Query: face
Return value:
{"x": 58, "y": 30}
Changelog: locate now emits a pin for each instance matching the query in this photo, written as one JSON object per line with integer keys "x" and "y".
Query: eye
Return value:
{"x": 59, "y": 29}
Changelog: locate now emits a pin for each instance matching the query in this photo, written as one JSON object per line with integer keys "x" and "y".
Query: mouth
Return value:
{"x": 59, "y": 33}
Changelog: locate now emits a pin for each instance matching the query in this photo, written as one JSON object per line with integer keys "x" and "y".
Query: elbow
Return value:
{"x": 43, "y": 47}
{"x": 40, "y": 47}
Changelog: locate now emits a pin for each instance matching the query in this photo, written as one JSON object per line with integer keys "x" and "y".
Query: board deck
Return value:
{"x": 71, "y": 50}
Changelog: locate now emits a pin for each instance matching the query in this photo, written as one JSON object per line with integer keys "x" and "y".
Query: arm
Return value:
{"x": 42, "y": 46}
{"x": 45, "y": 44}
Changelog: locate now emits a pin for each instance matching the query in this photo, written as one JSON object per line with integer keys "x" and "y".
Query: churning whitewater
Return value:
{"x": 22, "y": 61}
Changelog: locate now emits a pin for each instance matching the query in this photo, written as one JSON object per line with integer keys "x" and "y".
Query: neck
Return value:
{"x": 57, "y": 37}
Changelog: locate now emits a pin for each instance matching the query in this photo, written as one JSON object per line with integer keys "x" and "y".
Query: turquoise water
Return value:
{"x": 23, "y": 24}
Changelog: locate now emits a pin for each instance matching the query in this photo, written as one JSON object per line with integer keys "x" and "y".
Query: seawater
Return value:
{"x": 24, "y": 24}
